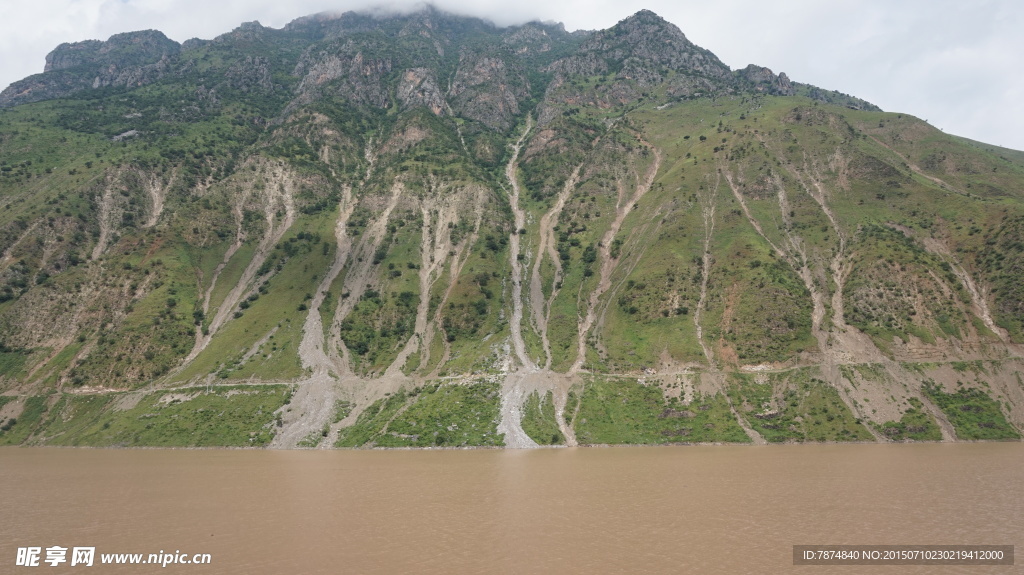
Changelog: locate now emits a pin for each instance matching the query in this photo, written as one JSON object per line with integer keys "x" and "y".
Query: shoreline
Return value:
{"x": 503, "y": 448}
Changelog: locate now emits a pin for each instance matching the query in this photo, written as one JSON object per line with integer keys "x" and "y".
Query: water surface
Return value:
{"x": 734, "y": 509}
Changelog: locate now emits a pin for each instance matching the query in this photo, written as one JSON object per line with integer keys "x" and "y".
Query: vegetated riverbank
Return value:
{"x": 528, "y": 238}
{"x": 683, "y": 408}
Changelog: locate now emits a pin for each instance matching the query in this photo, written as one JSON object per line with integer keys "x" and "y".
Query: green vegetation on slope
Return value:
{"x": 436, "y": 415}
{"x": 236, "y": 416}
{"x": 795, "y": 406}
{"x": 974, "y": 414}
{"x": 447, "y": 416}
{"x": 27, "y": 422}
{"x": 916, "y": 424}
{"x": 695, "y": 218}
{"x": 539, "y": 420}
{"x": 622, "y": 411}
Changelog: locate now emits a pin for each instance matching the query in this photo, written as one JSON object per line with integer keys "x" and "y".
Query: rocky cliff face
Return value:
{"x": 432, "y": 231}
{"x": 131, "y": 49}
{"x": 763, "y": 80}
{"x": 642, "y": 47}
{"x": 345, "y": 69}
{"x": 489, "y": 88}
{"x": 632, "y": 57}
{"x": 125, "y": 60}
{"x": 418, "y": 88}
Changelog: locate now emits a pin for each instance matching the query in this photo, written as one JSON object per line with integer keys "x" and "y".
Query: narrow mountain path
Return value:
{"x": 796, "y": 256}
{"x": 313, "y": 403}
{"x": 917, "y": 169}
{"x": 978, "y": 295}
{"x": 215, "y": 276}
{"x": 755, "y": 437}
{"x": 360, "y": 274}
{"x": 457, "y": 262}
{"x": 312, "y": 351}
{"x": 636, "y": 253}
{"x": 707, "y": 209}
{"x": 7, "y": 257}
{"x": 435, "y": 245}
{"x": 516, "y": 322}
{"x": 608, "y": 263}
{"x": 278, "y": 195}
{"x": 540, "y": 307}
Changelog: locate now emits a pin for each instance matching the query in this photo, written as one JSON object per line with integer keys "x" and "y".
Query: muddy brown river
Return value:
{"x": 704, "y": 509}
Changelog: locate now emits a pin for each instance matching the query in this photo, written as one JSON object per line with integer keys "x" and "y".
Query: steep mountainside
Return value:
{"x": 426, "y": 230}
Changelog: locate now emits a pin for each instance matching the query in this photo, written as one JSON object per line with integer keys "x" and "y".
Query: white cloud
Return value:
{"x": 953, "y": 63}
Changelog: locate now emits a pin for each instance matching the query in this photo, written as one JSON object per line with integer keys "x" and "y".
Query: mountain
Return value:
{"x": 427, "y": 230}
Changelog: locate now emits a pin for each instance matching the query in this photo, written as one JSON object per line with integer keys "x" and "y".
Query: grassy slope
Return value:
{"x": 879, "y": 168}
{"x": 624, "y": 411}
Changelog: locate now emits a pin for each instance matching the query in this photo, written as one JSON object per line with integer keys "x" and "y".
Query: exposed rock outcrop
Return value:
{"x": 488, "y": 88}
{"x": 345, "y": 69}
{"x": 763, "y": 80}
{"x": 125, "y": 60}
{"x": 418, "y": 87}
{"x": 633, "y": 56}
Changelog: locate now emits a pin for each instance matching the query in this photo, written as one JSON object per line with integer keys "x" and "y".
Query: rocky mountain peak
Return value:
{"x": 246, "y": 32}
{"x": 357, "y": 56}
{"x": 644, "y": 47}
{"x": 130, "y": 59}
{"x": 637, "y": 54}
{"x": 763, "y": 80}
{"x": 647, "y": 21}
{"x": 127, "y": 49}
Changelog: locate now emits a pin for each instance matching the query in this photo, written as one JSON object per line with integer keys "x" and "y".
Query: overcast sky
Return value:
{"x": 957, "y": 64}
